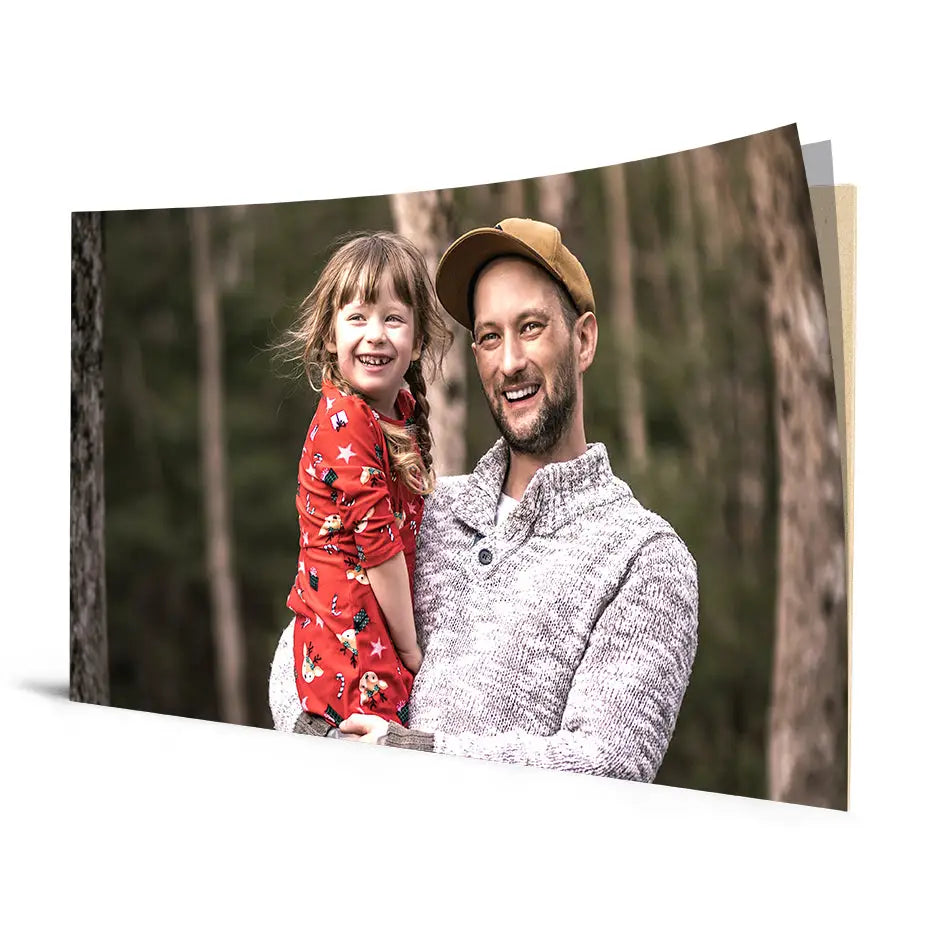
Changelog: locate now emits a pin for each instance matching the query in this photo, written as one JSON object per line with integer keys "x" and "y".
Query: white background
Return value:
{"x": 118, "y": 822}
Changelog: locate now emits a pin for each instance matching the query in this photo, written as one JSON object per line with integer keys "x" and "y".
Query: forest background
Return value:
{"x": 712, "y": 388}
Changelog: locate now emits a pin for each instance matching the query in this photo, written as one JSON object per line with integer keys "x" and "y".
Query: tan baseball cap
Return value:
{"x": 521, "y": 237}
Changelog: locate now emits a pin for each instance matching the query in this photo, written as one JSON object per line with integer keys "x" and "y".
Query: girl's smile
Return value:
{"x": 374, "y": 362}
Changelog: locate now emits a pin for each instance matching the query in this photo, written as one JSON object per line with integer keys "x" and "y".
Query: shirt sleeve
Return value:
{"x": 626, "y": 694}
{"x": 346, "y": 453}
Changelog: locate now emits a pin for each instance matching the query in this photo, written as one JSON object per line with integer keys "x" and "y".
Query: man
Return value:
{"x": 557, "y": 616}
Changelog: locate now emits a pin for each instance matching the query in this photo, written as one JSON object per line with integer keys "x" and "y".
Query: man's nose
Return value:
{"x": 513, "y": 358}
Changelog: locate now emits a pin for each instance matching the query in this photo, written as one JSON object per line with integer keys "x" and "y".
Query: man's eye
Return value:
{"x": 530, "y": 326}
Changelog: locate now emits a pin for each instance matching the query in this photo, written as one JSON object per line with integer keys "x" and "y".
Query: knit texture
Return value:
{"x": 562, "y": 638}
{"x": 407, "y": 738}
{"x": 309, "y": 724}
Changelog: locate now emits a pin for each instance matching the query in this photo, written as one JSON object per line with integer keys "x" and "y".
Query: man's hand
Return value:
{"x": 368, "y": 729}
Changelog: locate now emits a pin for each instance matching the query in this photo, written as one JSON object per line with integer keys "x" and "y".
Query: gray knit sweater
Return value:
{"x": 562, "y": 638}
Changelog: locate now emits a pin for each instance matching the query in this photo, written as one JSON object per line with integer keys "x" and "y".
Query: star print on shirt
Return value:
{"x": 310, "y": 471}
{"x": 329, "y": 402}
{"x": 345, "y": 452}
{"x": 377, "y": 648}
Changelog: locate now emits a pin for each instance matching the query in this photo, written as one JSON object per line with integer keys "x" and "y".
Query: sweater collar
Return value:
{"x": 553, "y": 495}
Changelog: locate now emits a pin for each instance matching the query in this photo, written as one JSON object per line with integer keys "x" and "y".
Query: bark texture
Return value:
{"x": 808, "y": 713}
{"x": 88, "y": 660}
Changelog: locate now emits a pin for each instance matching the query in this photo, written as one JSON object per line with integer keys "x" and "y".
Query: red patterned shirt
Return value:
{"x": 354, "y": 513}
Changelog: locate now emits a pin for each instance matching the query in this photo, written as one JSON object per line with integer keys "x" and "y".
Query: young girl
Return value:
{"x": 371, "y": 323}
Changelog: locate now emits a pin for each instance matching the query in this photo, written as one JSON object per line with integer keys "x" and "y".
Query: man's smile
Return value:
{"x": 520, "y": 393}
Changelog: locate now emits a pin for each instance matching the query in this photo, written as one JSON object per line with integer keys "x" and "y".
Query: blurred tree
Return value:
{"x": 426, "y": 219}
{"x": 88, "y": 659}
{"x": 555, "y": 196}
{"x": 653, "y": 260}
{"x": 226, "y": 621}
{"x": 699, "y": 410}
{"x": 513, "y": 199}
{"x": 808, "y": 716}
{"x": 632, "y": 402}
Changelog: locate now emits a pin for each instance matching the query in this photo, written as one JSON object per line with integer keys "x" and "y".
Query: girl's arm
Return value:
{"x": 346, "y": 452}
{"x": 390, "y": 584}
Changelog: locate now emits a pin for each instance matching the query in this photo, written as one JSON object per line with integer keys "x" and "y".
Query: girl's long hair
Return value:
{"x": 354, "y": 272}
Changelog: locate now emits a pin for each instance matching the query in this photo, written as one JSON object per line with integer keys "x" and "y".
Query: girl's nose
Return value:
{"x": 375, "y": 331}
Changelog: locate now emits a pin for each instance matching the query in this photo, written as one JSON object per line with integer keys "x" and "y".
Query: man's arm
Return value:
{"x": 625, "y": 696}
{"x": 281, "y": 690}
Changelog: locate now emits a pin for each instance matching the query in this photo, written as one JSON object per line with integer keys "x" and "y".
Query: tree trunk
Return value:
{"x": 738, "y": 376}
{"x": 513, "y": 198}
{"x": 652, "y": 262}
{"x": 808, "y": 711}
{"x": 711, "y": 186}
{"x": 226, "y": 625}
{"x": 555, "y": 199}
{"x": 88, "y": 660}
{"x": 751, "y": 408}
{"x": 701, "y": 410}
{"x": 632, "y": 410}
{"x": 425, "y": 218}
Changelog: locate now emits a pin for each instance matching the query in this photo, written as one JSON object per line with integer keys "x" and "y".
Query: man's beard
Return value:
{"x": 552, "y": 421}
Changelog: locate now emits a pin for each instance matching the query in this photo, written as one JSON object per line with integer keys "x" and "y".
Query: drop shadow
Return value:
{"x": 47, "y": 689}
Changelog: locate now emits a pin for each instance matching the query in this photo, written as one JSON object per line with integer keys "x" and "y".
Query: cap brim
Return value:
{"x": 465, "y": 257}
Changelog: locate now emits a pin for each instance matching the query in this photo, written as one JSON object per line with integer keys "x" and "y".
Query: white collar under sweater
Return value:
{"x": 504, "y": 508}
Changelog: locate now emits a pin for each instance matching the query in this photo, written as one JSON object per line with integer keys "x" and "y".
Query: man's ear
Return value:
{"x": 587, "y": 333}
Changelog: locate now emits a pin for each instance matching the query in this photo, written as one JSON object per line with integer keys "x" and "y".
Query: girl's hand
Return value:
{"x": 368, "y": 728}
{"x": 412, "y": 660}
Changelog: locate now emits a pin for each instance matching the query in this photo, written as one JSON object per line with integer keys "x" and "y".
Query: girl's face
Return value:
{"x": 375, "y": 344}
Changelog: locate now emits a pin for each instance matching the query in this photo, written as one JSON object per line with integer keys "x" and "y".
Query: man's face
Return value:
{"x": 525, "y": 354}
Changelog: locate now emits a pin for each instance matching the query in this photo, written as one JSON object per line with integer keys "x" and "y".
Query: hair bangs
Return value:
{"x": 369, "y": 259}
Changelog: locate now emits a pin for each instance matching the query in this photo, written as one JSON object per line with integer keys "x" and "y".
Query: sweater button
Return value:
{"x": 485, "y": 556}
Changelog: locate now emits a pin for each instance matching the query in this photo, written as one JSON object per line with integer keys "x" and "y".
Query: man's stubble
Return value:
{"x": 555, "y": 415}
